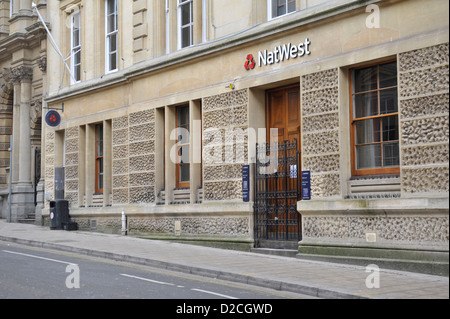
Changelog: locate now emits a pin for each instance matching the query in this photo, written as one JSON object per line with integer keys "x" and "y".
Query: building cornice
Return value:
{"x": 22, "y": 40}
{"x": 258, "y": 32}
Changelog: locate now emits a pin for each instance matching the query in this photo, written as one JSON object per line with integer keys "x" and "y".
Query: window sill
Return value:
{"x": 375, "y": 186}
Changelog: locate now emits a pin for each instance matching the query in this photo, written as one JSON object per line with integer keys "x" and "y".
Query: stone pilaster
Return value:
{"x": 22, "y": 199}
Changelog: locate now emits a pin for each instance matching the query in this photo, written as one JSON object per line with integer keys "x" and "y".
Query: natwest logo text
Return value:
{"x": 284, "y": 52}
{"x": 279, "y": 54}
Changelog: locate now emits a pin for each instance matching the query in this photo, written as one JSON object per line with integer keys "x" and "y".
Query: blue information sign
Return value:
{"x": 246, "y": 183}
{"x": 306, "y": 185}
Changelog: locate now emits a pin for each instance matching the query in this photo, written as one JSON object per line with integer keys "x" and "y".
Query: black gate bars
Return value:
{"x": 277, "y": 190}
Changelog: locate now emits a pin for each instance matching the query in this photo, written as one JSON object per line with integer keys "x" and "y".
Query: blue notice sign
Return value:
{"x": 246, "y": 183}
{"x": 306, "y": 185}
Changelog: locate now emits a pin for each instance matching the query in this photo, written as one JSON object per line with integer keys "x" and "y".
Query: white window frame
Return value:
{"x": 204, "y": 21}
{"x": 167, "y": 12}
{"x": 190, "y": 25}
{"x": 269, "y": 9}
{"x": 115, "y": 32}
{"x": 75, "y": 49}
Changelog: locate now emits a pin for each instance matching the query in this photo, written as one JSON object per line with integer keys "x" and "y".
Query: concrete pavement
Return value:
{"x": 320, "y": 279}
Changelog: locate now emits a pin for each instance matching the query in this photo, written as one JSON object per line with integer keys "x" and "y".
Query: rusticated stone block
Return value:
{"x": 232, "y": 116}
{"x": 49, "y": 160}
{"x": 72, "y": 197}
{"x": 322, "y": 142}
{"x": 228, "y": 99}
{"x": 224, "y": 190}
{"x": 71, "y": 159}
{"x": 424, "y": 81}
{"x": 432, "y": 229}
{"x": 142, "y": 117}
{"x": 120, "y": 167}
{"x": 142, "y": 195}
{"x": 71, "y": 145}
{"x": 222, "y": 172}
{"x": 425, "y": 155}
{"x": 322, "y": 79}
{"x": 424, "y": 106}
{"x": 325, "y": 185}
{"x": 120, "y": 151}
{"x": 71, "y": 172}
{"x": 50, "y": 147}
{"x": 141, "y": 179}
{"x": 120, "y": 123}
{"x": 120, "y": 195}
{"x": 71, "y": 185}
{"x": 425, "y": 180}
{"x": 322, "y": 163}
{"x": 424, "y": 57}
{"x": 72, "y": 132}
{"x": 120, "y": 137}
{"x": 322, "y": 122}
{"x": 226, "y": 154}
{"x": 224, "y": 226}
{"x": 142, "y": 132}
{"x": 50, "y": 136}
{"x": 49, "y": 173}
{"x": 425, "y": 130}
{"x": 142, "y": 163}
{"x": 320, "y": 101}
{"x": 142, "y": 148}
{"x": 120, "y": 181}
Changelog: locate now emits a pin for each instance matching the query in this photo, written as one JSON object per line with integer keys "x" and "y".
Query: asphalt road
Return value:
{"x": 32, "y": 273}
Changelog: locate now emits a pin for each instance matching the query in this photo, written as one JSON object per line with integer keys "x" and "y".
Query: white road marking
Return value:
{"x": 169, "y": 284}
{"x": 149, "y": 280}
{"x": 38, "y": 257}
{"x": 214, "y": 293}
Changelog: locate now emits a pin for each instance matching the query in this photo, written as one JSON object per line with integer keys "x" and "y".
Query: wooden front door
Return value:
{"x": 283, "y": 113}
{"x": 278, "y": 184}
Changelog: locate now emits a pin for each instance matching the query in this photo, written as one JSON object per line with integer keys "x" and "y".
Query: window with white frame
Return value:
{"x": 11, "y": 8}
{"x": 277, "y": 8}
{"x": 167, "y": 12}
{"x": 185, "y": 23}
{"x": 112, "y": 29}
{"x": 76, "y": 46}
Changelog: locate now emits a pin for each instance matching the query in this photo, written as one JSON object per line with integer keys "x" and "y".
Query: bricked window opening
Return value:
{"x": 374, "y": 119}
{"x": 99, "y": 169}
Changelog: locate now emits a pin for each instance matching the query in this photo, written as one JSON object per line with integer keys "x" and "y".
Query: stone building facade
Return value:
{"x": 23, "y": 47}
{"x": 148, "y": 71}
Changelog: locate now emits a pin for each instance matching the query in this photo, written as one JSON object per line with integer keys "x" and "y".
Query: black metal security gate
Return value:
{"x": 277, "y": 190}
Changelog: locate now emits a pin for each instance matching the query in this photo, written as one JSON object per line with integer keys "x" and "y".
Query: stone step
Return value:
{"x": 276, "y": 252}
{"x": 30, "y": 219}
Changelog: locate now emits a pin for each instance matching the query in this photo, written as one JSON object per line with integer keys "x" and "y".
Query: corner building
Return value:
{"x": 23, "y": 83}
{"x": 167, "y": 100}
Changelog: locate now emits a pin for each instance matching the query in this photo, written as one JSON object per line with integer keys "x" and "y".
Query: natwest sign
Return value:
{"x": 280, "y": 53}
